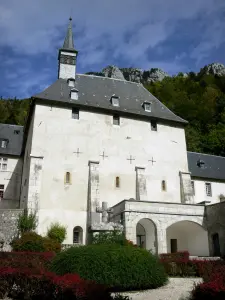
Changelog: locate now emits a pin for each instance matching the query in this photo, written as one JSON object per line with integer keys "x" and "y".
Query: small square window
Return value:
{"x": 147, "y": 106}
{"x": 5, "y": 159}
{"x": 75, "y": 113}
{"x": 116, "y": 120}
{"x": 16, "y": 131}
{"x": 208, "y": 189}
{"x": 153, "y": 125}
{"x": 115, "y": 101}
{"x": 74, "y": 94}
{"x": 193, "y": 187}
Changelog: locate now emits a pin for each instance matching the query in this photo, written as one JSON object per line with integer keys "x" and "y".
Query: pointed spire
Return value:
{"x": 68, "y": 42}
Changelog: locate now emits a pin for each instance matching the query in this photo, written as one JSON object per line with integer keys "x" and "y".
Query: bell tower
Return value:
{"x": 67, "y": 56}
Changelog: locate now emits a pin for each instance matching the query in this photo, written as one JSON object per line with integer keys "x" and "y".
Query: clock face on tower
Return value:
{"x": 67, "y": 59}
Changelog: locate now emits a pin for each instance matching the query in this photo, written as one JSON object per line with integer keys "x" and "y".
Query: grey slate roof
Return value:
{"x": 213, "y": 166}
{"x": 14, "y": 135}
{"x": 96, "y": 91}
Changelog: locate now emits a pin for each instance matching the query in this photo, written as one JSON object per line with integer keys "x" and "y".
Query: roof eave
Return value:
{"x": 98, "y": 108}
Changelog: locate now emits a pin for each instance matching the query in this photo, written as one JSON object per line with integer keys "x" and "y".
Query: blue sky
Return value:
{"x": 175, "y": 35}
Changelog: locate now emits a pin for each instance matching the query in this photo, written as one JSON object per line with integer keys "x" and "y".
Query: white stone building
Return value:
{"x": 90, "y": 140}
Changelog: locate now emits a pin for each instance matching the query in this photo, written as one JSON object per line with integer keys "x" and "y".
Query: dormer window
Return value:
{"x": 147, "y": 106}
{"x": 200, "y": 163}
{"x": 115, "y": 100}
{"x": 3, "y": 143}
{"x": 74, "y": 94}
{"x": 71, "y": 82}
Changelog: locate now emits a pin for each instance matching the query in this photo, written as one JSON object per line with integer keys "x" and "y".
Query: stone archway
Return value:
{"x": 187, "y": 236}
{"x": 146, "y": 235}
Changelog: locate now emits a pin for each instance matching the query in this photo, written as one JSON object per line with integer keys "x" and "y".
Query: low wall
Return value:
{"x": 8, "y": 223}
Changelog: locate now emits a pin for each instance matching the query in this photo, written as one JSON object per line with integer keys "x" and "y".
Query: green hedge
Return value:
{"x": 119, "y": 267}
{"x": 33, "y": 242}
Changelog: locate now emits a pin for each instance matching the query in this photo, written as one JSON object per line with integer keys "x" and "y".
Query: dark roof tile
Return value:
{"x": 212, "y": 166}
{"x": 14, "y": 136}
{"x": 96, "y": 91}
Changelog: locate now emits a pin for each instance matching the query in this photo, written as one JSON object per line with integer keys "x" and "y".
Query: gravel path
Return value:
{"x": 176, "y": 289}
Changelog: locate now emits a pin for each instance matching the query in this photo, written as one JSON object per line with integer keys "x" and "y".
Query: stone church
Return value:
{"x": 97, "y": 150}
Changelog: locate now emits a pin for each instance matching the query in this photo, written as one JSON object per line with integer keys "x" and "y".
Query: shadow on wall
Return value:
{"x": 11, "y": 199}
{"x": 214, "y": 221}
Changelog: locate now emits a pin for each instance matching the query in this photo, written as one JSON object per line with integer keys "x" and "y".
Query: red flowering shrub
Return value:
{"x": 178, "y": 264}
{"x": 31, "y": 260}
{"x": 23, "y": 284}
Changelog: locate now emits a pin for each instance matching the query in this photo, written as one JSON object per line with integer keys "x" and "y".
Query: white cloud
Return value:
{"x": 105, "y": 31}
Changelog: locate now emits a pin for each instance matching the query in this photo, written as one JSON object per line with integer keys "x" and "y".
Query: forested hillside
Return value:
{"x": 198, "y": 98}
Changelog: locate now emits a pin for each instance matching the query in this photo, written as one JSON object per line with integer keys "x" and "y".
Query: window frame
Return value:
{"x": 68, "y": 178}
{"x": 115, "y": 101}
{"x": 117, "y": 182}
{"x": 163, "y": 186}
{"x": 75, "y": 112}
{"x": 208, "y": 189}
{"x": 154, "y": 125}
{"x": 145, "y": 104}
{"x": 116, "y": 120}
{"x": 3, "y": 142}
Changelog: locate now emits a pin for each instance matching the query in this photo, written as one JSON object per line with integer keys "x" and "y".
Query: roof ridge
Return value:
{"x": 206, "y": 154}
{"x": 124, "y": 80}
{"x": 11, "y": 125}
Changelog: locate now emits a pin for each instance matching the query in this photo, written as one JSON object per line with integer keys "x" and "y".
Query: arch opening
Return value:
{"x": 187, "y": 236}
{"x": 146, "y": 235}
{"x": 78, "y": 235}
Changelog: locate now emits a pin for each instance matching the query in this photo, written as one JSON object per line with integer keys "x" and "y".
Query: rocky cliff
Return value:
{"x": 154, "y": 74}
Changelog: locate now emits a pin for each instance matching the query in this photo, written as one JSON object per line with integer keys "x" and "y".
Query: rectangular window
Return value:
{"x": 75, "y": 113}
{"x": 3, "y": 163}
{"x": 4, "y": 167}
{"x": 116, "y": 120}
{"x": 1, "y": 191}
{"x": 3, "y": 143}
{"x": 153, "y": 125}
{"x": 193, "y": 187}
{"x": 208, "y": 189}
{"x": 16, "y": 131}
{"x": 115, "y": 101}
{"x": 147, "y": 106}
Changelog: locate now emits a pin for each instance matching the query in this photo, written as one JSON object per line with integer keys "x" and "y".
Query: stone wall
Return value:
{"x": 8, "y": 218}
{"x": 215, "y": 223}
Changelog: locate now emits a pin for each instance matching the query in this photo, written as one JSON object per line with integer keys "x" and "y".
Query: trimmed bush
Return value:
{"x": 118, "y": 267}
{"x": 57, "y": 232}
{"x": 31, "y": 241}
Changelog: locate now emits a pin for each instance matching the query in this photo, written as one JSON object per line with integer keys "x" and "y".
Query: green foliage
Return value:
{"x": 33, "y": 242}
{"x": 119, "y": 267}
{"x": 26, "y": 222}
{"x": 199, "y": 99}
{"x": 110, "y": 237}
{"x": 57, "y": 232}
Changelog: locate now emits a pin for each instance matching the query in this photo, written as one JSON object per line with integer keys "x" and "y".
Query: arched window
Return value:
{"x": 163, "y": 185}
{"x": 68, "y": 178}
{"x": 117, "y": 182}
{"x": 78, "y": 235}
